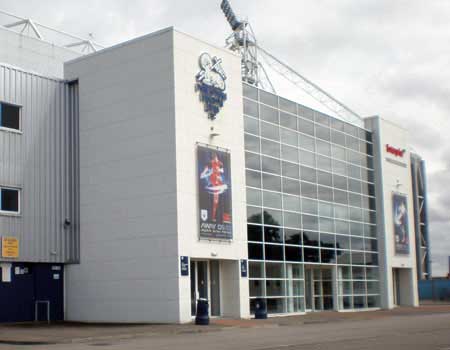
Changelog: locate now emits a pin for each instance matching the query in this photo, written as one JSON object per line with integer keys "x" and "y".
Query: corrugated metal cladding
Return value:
{"x": 42, "y": 160}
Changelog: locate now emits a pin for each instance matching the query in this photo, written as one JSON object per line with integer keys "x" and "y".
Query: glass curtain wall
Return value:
{"x": 310, "y": 200}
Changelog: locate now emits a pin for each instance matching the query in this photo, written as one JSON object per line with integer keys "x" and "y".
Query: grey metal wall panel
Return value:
{"x": 42, "y": 160}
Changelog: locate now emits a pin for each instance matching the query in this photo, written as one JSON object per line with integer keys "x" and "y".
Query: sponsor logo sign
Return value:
{"x": 398, "y": 152}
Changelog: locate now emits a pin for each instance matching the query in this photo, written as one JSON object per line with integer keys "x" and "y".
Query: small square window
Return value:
{"x": 9, "y": 200}
{"x": 9, "y": 116}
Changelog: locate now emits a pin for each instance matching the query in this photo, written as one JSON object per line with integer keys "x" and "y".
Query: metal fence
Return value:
{"x": 438, "y": 290}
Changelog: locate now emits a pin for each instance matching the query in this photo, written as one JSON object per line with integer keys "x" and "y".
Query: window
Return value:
{"x": 9, "y": 116}
{"x": 9, "y": 200}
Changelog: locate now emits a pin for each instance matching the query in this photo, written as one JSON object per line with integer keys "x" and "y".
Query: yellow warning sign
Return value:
{"x": 10, "y": 247}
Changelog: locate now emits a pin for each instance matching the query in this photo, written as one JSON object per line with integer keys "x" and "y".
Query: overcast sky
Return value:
{"x": 380, "y": 57}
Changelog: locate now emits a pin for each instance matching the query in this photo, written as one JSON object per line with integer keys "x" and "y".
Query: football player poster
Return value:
{"x": 214, "y": 186}
{"x": 401, "y": 230}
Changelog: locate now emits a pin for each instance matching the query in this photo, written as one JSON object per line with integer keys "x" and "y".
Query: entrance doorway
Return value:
{"x": 318, "y": 288}
{"x": 205, "y": 284}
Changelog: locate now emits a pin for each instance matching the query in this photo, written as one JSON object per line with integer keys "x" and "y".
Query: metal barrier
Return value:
{"x": 36, "y": 309}
{"x": 437, "y": 289}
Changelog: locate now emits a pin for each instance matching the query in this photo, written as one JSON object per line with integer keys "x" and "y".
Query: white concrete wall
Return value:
{"x": 393, "y": 178}
{"x": 129, "y": 267}
{"x": 32, "y": 54}
{"x": 192, "y": 126}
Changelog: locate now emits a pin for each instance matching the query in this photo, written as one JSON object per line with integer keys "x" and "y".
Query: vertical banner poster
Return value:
{"x": 401, "y": 229}
{"x": 214, "y": 187}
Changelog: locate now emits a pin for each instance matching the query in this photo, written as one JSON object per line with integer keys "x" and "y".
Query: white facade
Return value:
{"x": 192, "y": 127}
{"x": 398, "y": 276}
{"x": 140, "y": 121}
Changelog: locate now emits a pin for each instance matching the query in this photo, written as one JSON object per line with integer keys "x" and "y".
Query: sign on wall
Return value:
{"x": 10, "y": 247}
{"x": 211, "y": 84}
{"x": 184, "y": 265}
{"x": 401, "y": 229}
{"x": 244, "y": 268}
{"x": 214, "y": 187}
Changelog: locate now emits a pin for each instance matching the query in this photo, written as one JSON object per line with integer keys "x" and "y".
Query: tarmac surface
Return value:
{"x": 427, "y": 327}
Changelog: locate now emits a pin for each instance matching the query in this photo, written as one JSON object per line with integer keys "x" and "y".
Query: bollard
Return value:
{"x": 260, "y": 309}
{"x": 202, "y": 316}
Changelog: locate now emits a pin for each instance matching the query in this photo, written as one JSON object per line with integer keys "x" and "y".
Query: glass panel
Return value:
{"x": 308, "y": 174}
{"x": 289, "y": 137}
{"x": 254, "y": 233}
{"x": 273, "y": 234}
{"x": 271, "y": 182}
{"x": 251, "y": 125}
{"x": 256, "y": 288}
{"x": 275, "y": 270}
{"x": 290, "y": 170}
{"x": 256, "y": 269}
{"x": 291, "y": 186}
{"x": 250, "y": 108}
{"x": 254, "y": 215}
{"x": 253, "y": 178}
{"x": 270, "y": 131}
{"x": 250, "y": 91}
{"x": 306, "y": 142}
{"x": 273, "y": 252}
{"x": 272, "y": 217}
{"x": 252, "y": 161}
{"x": 311, "y": 239}
{"x": 292, "y": 236}
{"x": 251, "y": 143}
{"x": 288, "y": 106}
{"x": 255, "y": 251}
{"x": 269, "y": 114}
{"x": 270, "y": 148}
{"x": 275, "y": 288}
{"x": 275, "y": 306}
{"x": 271, "y": 165}
{"x": 291, "y": 203}
{"x": 288, "y": 121}
{"x": 268, "y": 98}
{"x": 293, "y": 253}
{"x": 253, "y": 196}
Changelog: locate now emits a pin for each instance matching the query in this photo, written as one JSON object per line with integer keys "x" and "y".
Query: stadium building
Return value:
{"x": 138, "y": 178}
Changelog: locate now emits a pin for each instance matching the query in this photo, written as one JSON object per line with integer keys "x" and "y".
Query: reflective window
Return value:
{"x": 271, "y": 165}
{"x": 288, "y": 121}
{"x": 270, "y": 131}
{"x": 268, "y": 98}
{"x": 308, "y": 174}
{"x": 289, "y": 137}
{"x": 251, "y": 125}
{"x": 290, "y": 170}
{"x": 306, "y": 142}
{"x": 252, "y": 161}
{"x": 270, "y": 148}
{"x": 306, "y": 127}
{"x": 269, "y": 114}
{"x": 250, "y": 108}
{"x": 251, "y": 143}
{"x": 271, "y": 182}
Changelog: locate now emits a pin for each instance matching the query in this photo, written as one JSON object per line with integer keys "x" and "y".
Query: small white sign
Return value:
{"x": 17, "y": 270}
{"x": 6, "y": 272}
{"x": 56, "y": 276}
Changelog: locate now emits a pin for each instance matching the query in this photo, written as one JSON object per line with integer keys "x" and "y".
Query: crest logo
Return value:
{"x": 204, "y": 214}
{"x": 211, "y": 84}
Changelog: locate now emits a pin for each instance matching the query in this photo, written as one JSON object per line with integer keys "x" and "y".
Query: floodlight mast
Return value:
{"x": 243, "y": 41}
